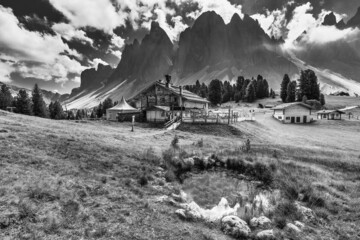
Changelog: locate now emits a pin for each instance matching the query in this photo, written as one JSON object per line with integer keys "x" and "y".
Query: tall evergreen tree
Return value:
{"x": 56, "y": 111}
{"x": 322, "y": 99}
{"x": 284, "y": 87}
{"x": 108, "y": 103}
{"x": 215, "y": 92}
{"x": 6, "y": 98}
{"x": 291, "y": 92}
{"x": 99, "y": 110}
{"x": 308, "y": 85}
{"x": 23, "y": 103}
{"x": 251, "y": 92}
{"x": 38, "y": 104}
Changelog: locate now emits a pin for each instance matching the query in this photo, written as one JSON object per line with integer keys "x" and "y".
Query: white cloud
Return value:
{"x": 68, "y": 32}
{"x": 100, "y": 14}
{"x": 5, "y": 69}
{"x": 272, "y": 22}
{"x": 117, "y": 41}
{"x": 95, "y": 62}
{"x": 44, "y": 52}
{"x": 27, "y": 45}
{"x": 222, "y": 7}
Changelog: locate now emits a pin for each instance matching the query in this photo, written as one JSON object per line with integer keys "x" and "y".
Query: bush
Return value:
{"x": 263, "y": 173}
{"x": 143, "y": 181}
{"x": 170, "y": 176}
{"x": 280, "y": 222}
{"x": 175, "y": 142}
{"x": 287, "y": 210}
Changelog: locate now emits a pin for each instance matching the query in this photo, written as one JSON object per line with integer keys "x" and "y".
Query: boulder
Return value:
{"x": 300, "y": 225}
{"x": 266, "y": 235}
{"x": 260, "y": 222}
{"x": 306, "y": 213}
{"x": 181, "y": 213}
{"x": 194, "y": 212}
{"x": 291, "y": 228}
{"x": 235, "y": 227}
{"x": 189, "y": 162}
{"x": 181, "y": 197}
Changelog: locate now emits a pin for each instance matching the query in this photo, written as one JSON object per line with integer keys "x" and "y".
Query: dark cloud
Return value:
{"x": 35, "y": 23}
{"x": 41, "y": 8}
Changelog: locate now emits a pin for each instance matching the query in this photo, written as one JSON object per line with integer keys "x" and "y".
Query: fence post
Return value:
{"x": 229, "y": 117}
{"x": 217, "y": 118}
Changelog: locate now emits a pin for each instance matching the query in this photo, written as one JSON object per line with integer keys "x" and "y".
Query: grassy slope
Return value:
{"x": 67, "y": 180}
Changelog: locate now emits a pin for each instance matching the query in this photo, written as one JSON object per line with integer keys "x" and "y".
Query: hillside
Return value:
{"x": 81, "y": 180}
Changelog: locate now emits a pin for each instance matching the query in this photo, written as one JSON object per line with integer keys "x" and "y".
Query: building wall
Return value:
{"x": 156, "y": 116}
{"x": 297, "y": 112}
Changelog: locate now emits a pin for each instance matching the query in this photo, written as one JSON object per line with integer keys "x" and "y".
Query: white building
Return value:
{"x": 296, "y": 112}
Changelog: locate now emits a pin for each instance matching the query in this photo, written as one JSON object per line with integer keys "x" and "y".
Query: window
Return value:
{"x": 163, "y": 113}
{"x": 298, "y": 119}
{"x": 280, "y": 117}
{"x": 287, "y": 118}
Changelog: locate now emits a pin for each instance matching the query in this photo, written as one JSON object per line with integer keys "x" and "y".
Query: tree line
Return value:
{"x": 245, "y": 90}
{"x": 306, "y": 89}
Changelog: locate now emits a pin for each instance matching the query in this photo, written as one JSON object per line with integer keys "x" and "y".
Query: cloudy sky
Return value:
{"x": 50, "y": 42}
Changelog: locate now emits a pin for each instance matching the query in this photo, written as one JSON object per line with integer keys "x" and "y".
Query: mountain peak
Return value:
{"x": 235, "y": 18}
{"x": 355, "y": 21}
{"x": 154, "y": 25}
{"x": 330, "y": 20}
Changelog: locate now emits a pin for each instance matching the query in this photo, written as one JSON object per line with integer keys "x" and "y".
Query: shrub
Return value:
{"x": 247, "y": 146}
{"x": 170, "y": 176}
{"x": 200, "y": 143}
{"x": 175, "y": 142}
{"x": 287, "y": 210}
{"x": 263, "y": 173}
{"x": 150, "y": 157}
{"x": 280, "y": 222}
{"x": 143, "y": 181}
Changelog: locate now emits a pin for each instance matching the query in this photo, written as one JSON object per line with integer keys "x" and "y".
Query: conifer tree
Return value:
{"x": 108, "y": 103}
{"x": 291, "y": 92}
{"x": 23, "y": 103}
{"x": 38, "y": 104}
{"x": 251, "y": 92}
{"x": 308, "y": 85}
{"x": 215, "y": 92}
{"x": 6, "y": 98}
{"x": 99, "y": 110}
{"x": 322, "y": 99}
{"x": 284, "y": 87}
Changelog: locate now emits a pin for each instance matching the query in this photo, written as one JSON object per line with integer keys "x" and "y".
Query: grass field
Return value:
{"x": 83, "y": 180}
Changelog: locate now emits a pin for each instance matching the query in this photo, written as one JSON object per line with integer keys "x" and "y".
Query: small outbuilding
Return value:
{"x": 296, "y": 112}
{"x": 330, "y": 114}
{"x": 121, "y": 112}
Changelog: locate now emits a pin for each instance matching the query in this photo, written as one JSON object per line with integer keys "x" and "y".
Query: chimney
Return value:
{"x": 168, "y": 80}
{"x": 181, "y": 90}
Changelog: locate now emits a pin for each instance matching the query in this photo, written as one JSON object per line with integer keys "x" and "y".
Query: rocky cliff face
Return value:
{"x": 330, "y": 20}
{"x": 355, "y": 21}
{"x": 145, "y": 61}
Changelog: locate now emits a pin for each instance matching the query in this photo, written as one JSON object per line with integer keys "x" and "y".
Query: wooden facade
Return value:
{"x": 164, "y": 102}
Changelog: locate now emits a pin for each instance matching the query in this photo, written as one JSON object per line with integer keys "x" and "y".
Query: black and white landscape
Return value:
{"x": 180, "y": 119}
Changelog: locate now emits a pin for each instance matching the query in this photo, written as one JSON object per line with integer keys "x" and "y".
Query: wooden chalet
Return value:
{"x": 162, "y": 102}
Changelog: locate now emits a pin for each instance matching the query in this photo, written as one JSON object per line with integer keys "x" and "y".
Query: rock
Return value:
{"x": 194, "y": 212}
{"x": 292, "y": 228}
{"x": 181, "y": 213}
{"x": 300, "y": 225}
{"x": 189, "y": 162}
{"x": 235, "y": 227}
{"x": 266, "y": 235}
{"x": 260, "y": 222}
{"x": 3, "y": 131}
{"x": 306, "y": 213}
{"x": 182, "y": 197}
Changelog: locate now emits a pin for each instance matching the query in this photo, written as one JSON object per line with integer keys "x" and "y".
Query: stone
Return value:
{"x": 194, "y": 212}
{"x": 181, "y": 197}
{"x": 306, "y": 213}
{"x": 300, "y": 225}
{"x": 266, "y": 235}
{"x": 189, "y": 162}
{"x": 260, "y": 222}
{"x": 235, "y": 227}
{"x": 292, "y": 228}
{"x": 181, "y": 213}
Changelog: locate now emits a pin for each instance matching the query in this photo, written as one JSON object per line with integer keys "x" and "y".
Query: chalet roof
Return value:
{"x": 289, "y": 105}
{"x": 124, "y": 107}
{"x": 330, "y": 111}
{"x": 176, "y": 91}
{"x": 185, "y": 93}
